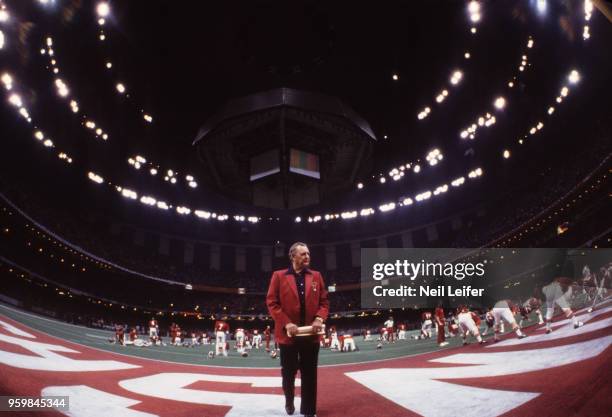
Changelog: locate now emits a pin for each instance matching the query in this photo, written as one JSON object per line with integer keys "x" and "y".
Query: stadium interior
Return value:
{"x": 160, "y": 159}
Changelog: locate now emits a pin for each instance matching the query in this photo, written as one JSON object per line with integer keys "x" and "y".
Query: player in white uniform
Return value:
{"x": 256, "y": 339}
{"x": 348, "y": 344}
{"x": 389, "y": 327}
{"x": 220, "y": 346}
{"x": 153, "y": 329}
{"x": 503, "y": 311}
{"x": 239, "y": 336}
{"x": 557, "y": 293}
{"x": 427, "y": 323}
{"x": 367, "y": 336}
{"x": 468, "y": 323}
{"x": 335, "y": 342}
{"x": 401, "y": 333}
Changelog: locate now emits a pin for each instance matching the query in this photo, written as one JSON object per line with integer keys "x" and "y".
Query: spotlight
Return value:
{"x": 500, "y": 103}
{"x": 574, "y": 77}
{"x": 15, "y": 100}
{"x": 506, "y": 154}
{"x": 473, "y": 7}
{"x": 395, "y": 77}
{"x": 103, "y": 9}
{"x": 456, "y": 77}
{"x": 7, "y": 80}
{"x": 120, "y": 88}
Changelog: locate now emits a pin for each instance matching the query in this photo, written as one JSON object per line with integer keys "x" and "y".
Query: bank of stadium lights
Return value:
{"x": 95, "y": 177}
{"x": 455, "y": 79}
{"x": 475, "y": 173}
{"x": 433, "y": 157}
{"x": 64, "y": 92}
{"x": 458, "y": 182}
{"x": 499, "y": 103}
{"x": 393, "y": 205}
{"x": 424, "y": 113}
{"x": 474, "y": 11}
{"x": 588, "y": 12}
{"x": 2, "y": 41}
{"x": 127, "y": 193}
{"x": 574, "y": 77}
{"x": 103, "y": 9}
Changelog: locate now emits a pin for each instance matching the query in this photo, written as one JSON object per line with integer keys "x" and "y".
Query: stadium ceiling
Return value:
{"x": 110, "y": 81}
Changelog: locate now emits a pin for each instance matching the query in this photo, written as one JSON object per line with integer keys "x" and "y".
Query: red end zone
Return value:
{"x": 566, "y": 373}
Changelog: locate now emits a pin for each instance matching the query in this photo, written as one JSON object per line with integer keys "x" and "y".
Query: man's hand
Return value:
{"x": 317, "y": 325}
{"x": 292, "y": 329}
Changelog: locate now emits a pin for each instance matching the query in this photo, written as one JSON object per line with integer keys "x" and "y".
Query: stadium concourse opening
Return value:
{"x": 194, "y": 199}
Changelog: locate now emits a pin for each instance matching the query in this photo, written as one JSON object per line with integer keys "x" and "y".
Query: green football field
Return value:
{"x": 98, "y": 339}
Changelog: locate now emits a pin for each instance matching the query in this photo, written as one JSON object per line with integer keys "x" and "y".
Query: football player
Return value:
{"x": 503, "y": 311}
{"x": 468, "y": 323}
{"x": 439, "y": 318}
{"x": 267, "y": 337}
{"x": 220, "y": 345}
{"x": 427, "y": 323}
{"x": 389, "y": 326}
{"x": 256, "y": 339}
{"x": 557, "y": 293}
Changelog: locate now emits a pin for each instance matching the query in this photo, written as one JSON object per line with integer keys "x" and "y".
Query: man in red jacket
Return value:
{"x": 297, "y": 296}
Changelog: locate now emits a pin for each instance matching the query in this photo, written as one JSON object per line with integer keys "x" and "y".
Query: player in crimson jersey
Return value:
{"x": 532, "y": 305}
{"x": 490, "y": 321}
{"x": 267, "y": 337}
{"x": 439, "y": 319}
{"x": 119, "y": 334}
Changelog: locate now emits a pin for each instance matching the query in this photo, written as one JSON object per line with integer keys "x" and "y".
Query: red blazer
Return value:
{"x": 284, "y": 303}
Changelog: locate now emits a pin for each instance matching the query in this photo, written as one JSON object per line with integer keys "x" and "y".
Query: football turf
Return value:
{"x": 198, "y": 355}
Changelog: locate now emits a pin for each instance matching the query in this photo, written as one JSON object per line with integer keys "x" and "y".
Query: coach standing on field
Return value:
{"x": 298, "y": 297}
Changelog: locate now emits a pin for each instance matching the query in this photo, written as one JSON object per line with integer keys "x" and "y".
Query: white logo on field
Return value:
{"x": 48, "y": 360}
{"x": 412, "y": 387}
{"x": 171, "y": 386}
{"x": 563, "y": 329}
{"x": 12, "y": 329}
{"x": 85, "y": 401}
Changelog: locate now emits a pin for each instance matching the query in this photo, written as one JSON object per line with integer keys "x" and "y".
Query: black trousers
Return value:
{"x": 302, "y": 355}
